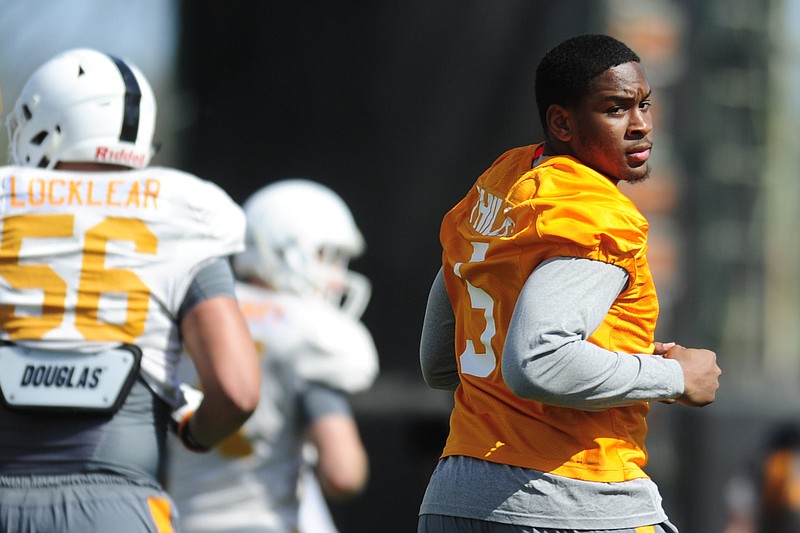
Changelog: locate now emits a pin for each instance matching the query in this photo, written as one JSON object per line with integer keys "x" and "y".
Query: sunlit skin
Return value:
{"x": 611, "y": 129}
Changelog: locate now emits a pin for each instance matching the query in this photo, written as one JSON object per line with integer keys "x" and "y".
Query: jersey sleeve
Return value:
{"x": 339, "y": 351}
{"x": 220, "y": 220}
{"x": 204, "y": 224}
{"x": 585, "y": 215}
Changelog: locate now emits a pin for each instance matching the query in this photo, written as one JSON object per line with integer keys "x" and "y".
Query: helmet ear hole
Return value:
{"x": 39, "y": 138}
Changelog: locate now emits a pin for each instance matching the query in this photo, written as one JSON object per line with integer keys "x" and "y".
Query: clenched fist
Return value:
{"x": 700, "y": 374}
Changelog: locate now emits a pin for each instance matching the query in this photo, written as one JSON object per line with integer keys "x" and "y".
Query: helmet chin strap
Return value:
{"x": 330, "y": 280}
{"x": 357, "y": 294}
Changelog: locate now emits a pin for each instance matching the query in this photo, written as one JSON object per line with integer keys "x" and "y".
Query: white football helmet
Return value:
{"x": 300, "y": 238}
{"x": 83, "y": 106}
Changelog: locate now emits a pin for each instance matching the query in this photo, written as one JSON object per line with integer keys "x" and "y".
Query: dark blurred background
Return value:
{"x": 400, "y": 105}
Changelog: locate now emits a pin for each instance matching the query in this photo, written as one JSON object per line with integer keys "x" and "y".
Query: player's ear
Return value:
{"x": 559, "y": 123}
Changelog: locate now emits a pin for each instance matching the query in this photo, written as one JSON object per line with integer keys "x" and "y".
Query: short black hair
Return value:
{"x": 565, "y": 73}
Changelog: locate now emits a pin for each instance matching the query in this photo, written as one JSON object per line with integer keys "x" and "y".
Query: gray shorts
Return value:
{"x": 86, "y": 503}
{"x": 430, "y": 523}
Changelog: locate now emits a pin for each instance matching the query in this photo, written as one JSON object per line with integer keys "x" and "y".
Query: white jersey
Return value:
{"x": 252, "y": 479}
{"x": 93, "y": 259}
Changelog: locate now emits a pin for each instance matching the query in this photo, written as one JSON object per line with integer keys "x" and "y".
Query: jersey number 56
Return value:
{"x": 94, "y": 279}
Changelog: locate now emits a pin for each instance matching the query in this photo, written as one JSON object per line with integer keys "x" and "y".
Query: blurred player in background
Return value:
{"x": 764, "y": 496}
{"x": 303, "y": 306}
{"x": 109, "y": 268}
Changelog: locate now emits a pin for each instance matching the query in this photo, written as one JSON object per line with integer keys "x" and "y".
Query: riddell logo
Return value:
{"x": 121, "y": 156}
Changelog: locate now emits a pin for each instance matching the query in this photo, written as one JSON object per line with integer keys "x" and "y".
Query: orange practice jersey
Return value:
{"x": 513, "y": 219}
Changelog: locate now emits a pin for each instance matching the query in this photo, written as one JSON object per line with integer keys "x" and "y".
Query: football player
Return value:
{"x": 542, "y": 319}
{"x": 303, "y": 305}
{"x": 109, "y": 268}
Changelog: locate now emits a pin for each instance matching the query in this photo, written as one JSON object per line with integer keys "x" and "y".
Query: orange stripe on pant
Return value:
{"x": 160, "y": 510}
{"x": 646, "y": 529}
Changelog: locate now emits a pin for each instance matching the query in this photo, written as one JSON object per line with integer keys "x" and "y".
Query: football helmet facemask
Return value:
{"x": 300, "y": 238}
{"x": 83, "y": 106}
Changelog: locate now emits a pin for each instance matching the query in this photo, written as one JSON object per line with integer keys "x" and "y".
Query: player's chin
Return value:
{"x": 637, "y": 174}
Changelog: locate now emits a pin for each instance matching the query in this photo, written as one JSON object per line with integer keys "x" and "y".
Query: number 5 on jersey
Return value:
{"x": 474, "y": 363}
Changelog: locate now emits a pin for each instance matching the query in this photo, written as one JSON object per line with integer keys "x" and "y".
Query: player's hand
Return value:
{"x": 662, "y": 347}
{"x": 700, "y": 374}
{"x": 189, "y": 400}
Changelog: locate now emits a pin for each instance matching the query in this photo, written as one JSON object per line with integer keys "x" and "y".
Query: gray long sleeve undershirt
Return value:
{"x": 546, "y": 356}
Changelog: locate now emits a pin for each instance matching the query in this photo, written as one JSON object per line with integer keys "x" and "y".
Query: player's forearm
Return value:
{"x": 582, "y": 376}
{"x": 437, "y": 343}
{"x": 217, "y": 338}
{"x": 547, "y": 357}
{"x": 342, "y": 465}
{"x": 215, "y": 420}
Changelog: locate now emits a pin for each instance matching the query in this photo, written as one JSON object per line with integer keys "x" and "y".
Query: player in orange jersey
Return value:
{"x": 542, "y": 319}
{"x": 109, "y": 268}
